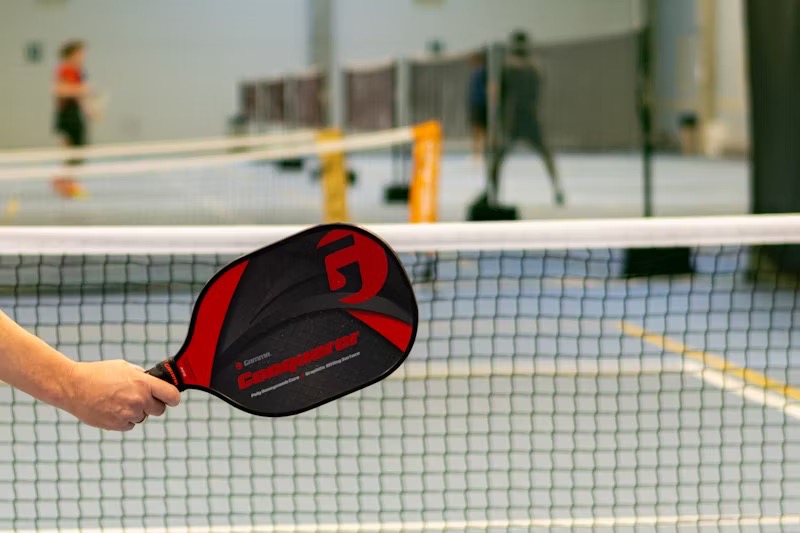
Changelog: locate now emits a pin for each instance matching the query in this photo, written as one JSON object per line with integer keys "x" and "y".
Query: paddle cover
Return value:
{"x": 299, "y": 323}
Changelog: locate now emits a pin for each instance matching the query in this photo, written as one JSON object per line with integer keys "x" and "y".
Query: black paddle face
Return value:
{"x": 289, "y": 327}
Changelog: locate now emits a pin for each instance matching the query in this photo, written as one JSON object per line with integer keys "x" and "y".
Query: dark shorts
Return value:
{"x": 524, "y": 127}
{"x": 70, "y": 123}
{"x": 479, "y": 117}
{"x": 530, "y": 133}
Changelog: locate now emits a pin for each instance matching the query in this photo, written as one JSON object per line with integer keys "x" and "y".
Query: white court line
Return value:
{"x": 693, "y": 521}
{"x": 715, "y": 370}
{"x": 739, "y": 387}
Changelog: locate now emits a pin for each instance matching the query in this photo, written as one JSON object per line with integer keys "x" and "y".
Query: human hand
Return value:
{"x": 115, "y": 395}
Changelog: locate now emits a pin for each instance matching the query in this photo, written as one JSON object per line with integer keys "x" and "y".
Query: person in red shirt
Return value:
{"x": 70, "y": 90}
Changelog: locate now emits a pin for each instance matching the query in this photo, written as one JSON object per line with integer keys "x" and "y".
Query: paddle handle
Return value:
{"x": 167, "y": 371}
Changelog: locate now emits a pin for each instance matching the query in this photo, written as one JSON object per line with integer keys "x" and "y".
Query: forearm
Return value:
{"x": 107, "y": 394}
{"x": 31, "y": 365}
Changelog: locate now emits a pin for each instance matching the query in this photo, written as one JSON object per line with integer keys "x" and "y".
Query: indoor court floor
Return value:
{"x": 597, "y": 185}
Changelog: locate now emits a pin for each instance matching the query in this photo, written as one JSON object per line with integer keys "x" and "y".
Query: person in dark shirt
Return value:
{"x": 70, "y": 90}
{"x": 478, "y": 102}
{"x": 518, "y": 113}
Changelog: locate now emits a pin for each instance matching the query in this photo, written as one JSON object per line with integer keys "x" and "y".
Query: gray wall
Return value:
{"x": 376, "y": 29}
{"x": 171, "y": 67}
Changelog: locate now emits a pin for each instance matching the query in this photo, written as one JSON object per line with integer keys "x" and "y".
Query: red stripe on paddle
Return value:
{"x": 395, "y": 331}
{"x": 198, "y": 359}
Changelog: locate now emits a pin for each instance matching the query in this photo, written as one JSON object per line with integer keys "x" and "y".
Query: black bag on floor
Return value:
{"x": 481, "y": 211}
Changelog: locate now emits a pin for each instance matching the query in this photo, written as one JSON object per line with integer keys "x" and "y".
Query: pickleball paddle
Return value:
{"x": 299, "y": 323}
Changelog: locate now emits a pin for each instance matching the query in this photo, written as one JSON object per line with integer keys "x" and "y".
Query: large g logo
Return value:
{"x": 370, "y": 257}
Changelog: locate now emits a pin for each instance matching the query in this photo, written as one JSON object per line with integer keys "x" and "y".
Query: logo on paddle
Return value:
{"x": 299, "y": 361}
{"x": 373, "y": 265}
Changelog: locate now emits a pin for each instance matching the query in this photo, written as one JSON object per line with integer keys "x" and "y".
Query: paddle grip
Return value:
{"x": 167, "y": 371}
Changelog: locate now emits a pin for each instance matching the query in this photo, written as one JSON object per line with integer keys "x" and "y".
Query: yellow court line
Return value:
{"x": 713, "y": 361}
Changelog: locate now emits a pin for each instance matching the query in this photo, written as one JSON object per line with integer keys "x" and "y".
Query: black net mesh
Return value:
{"x": 306, "y": 101}
{"x": 247, "y": 100}
{"x": 275, "y": 98}
{"x": 543, "y": 391}
{"x": 589, "y": 93}
{"x": 254, "y": 184}
{"x": 438, "y": 90}
{"x": 587, "y": 98}
{"x": 370, "y": 101}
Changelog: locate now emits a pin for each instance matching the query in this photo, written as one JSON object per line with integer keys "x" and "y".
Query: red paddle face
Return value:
{"x": 300, "y": 323}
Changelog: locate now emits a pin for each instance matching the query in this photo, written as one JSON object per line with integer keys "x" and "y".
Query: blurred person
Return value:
{"x": 71, "y": 90}
{"x": 518, "y": 113}
{"x": 111, "y": 395}
{"x": 478, "y": 102}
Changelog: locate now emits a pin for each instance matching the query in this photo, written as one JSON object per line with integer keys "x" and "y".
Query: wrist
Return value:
{"x": 64, "y": 386}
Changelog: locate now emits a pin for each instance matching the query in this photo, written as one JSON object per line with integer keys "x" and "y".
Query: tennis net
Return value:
{"x": 545, "y": 390}
{"x": 438, "y": 87}
{"x": 370, "y": 96}
{"x": 254, "y": 179}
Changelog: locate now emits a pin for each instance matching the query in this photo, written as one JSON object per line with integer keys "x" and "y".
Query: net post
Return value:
{"x": 258, "y": 109}
{"x": 646, "y": 262}
{"x": 425, "y": 180}
{"x": 246, "y": 103}
{"x": 494, "y": 67}
{"x": 645, "y": 97}
{"x": 399, "y": 190}
{"x": 487, "y": 206}
{"x": 334, "y": 179}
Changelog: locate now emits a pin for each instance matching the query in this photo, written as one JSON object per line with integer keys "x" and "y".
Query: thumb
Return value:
{"x": 163, "y": 391}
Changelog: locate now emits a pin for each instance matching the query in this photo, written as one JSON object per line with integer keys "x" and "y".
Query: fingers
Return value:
{"x": 163, "y": 391}
{"x": 143, "y": 402}
{"x": 123, "y": 395}
{"x": 154, "y": 407}
{"x": 157, "y": 395}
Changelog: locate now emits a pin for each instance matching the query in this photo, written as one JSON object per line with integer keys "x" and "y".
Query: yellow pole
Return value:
{"x": 427, "y": 165}
{"x": 334, "y": 179}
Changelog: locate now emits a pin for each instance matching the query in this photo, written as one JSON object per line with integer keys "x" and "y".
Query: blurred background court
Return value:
{"x": 365, "y": 68}
{"x": 600, "y": 364}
